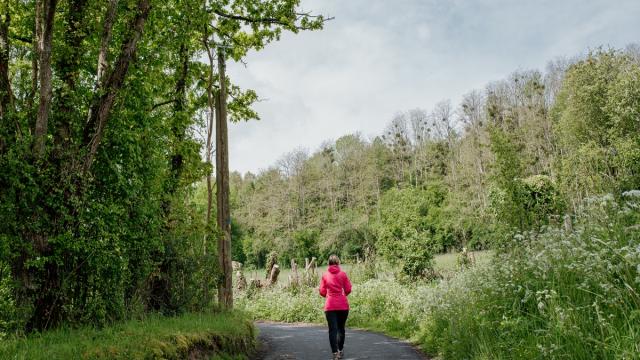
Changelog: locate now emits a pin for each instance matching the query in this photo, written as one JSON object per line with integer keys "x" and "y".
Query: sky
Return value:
{"x": 380, "y": 57}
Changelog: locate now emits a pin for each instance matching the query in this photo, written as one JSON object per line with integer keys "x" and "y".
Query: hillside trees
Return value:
{"x": 512, "y": 157}
{"x": 596, "y": 121}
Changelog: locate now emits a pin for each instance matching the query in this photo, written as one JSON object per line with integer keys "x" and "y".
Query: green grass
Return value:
{"x": 285, "y": 272}
{"x": 448, "y": 262}
{"x": 219, "y": 336}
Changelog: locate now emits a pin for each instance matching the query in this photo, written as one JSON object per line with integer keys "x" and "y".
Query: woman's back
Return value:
{"x": 335, "y": 286}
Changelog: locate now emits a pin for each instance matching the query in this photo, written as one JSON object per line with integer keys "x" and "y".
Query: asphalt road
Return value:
{"x": 307, "y": 342}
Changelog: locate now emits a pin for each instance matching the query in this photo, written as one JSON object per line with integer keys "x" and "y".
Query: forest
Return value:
{"x": 117, "y": 209}
{"x": 516, "y": 156}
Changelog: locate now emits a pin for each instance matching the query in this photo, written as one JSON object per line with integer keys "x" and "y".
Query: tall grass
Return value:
{"x": 551, "y": 295}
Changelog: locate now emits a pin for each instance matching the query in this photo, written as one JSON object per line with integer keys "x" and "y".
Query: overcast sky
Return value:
{"x": 379, "y": 57}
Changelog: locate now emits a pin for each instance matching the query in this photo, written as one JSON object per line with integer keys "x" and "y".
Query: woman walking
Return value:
{"x": 335, "y": 286}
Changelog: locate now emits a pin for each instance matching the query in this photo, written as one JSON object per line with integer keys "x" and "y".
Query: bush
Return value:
{"x": 552, "y": 295}
{"x": 408, "y": 230}
{"x": 8, "y": 311}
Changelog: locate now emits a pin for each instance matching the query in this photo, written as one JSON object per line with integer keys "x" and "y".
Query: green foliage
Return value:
{"x": 541, "y": 199}
{"x": 596, "y": 122}
{"x": 408, "y": 232}
{"x": 103, "y": 223}
{"x": 506, "y": 195}
{"x": 562, "y": 295}
{"x": 305, "y": 244}
{"x": 272, "y": 260}
{"x": 9, "y": 321}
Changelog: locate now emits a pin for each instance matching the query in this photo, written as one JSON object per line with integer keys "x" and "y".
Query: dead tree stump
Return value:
{"x": 294, "y": 279}
{"x": 273, "y": 278}
{"x": 241, "y": 281}
{"x": 310, "y": 277}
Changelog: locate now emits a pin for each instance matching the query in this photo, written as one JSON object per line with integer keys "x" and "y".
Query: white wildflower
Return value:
{"x": 631, "y": 193}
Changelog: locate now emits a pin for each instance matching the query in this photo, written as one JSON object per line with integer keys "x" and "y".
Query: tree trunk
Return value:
{"x": 225, "y": 287}
{"x": 294, "y": 278}
{"x": 34, "y": 59}
{"x": 107, "y": 27}
{"x": 101, "y": 108}
{"x": 45, "y": 41}
{"x": 68, "y": 68}
{"x": 6, "y": 96}
{"x": 209, "y": 152}
{"x": 105, "y": 39}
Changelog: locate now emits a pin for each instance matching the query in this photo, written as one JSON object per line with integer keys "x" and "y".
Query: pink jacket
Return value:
{"x": 335, "y": 286}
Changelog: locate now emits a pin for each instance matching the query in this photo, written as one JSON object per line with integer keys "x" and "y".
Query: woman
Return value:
{"x": 335, "y": 286}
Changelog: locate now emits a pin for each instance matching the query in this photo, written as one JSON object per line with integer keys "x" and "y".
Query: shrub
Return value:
{"x": 8, "y": 311}
{"x": 552, "y": 295}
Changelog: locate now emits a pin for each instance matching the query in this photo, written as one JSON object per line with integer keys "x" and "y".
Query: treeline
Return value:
{"x": 515, "y": 156}
{"x": 101, "y": 103}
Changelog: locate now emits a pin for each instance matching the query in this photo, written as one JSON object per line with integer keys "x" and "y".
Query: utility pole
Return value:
{"x": 225, "y": 285}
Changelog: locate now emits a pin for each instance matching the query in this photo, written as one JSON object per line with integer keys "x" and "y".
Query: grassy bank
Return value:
{"x": 194, "y": 336}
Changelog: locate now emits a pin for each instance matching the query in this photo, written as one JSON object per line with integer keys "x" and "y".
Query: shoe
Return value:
{"x": 340, "y": 354}
{"x": 336, "y": 356}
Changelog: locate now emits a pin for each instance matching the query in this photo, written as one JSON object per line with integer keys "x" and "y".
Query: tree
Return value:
{"x": 99, "y": 102}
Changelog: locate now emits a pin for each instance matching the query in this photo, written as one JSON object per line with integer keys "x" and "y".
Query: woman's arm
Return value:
{"x": 347, "y": 285}
{"x": 323, "y": 288}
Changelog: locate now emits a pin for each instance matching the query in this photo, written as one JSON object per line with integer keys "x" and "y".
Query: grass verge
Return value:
{"x": 229, "y": 335}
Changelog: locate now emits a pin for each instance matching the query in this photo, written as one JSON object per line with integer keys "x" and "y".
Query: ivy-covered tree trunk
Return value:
{"x": 45, "y": 42}
{"x": 6, "y": 97}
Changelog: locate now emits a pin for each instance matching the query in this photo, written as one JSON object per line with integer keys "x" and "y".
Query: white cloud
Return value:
{"x": 379, "y": 57}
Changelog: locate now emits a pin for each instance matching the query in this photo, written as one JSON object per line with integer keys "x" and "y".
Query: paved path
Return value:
{"x": 307, "y": 342}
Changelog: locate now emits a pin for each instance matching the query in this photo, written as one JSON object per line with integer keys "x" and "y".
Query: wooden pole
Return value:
{"x": 225, "y": 286}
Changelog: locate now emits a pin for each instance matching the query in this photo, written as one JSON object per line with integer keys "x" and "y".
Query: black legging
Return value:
{"x": 336, "y": 320}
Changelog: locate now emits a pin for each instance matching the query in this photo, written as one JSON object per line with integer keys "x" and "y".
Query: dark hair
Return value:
{"x": 334, "y": 260}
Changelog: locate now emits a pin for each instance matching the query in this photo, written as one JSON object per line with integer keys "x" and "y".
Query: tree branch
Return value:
{"x": 101, "y": 108}
{"x": 163, "y": 103}
{"x": 268, "y": 20}
{"x": 24, "y": 39}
